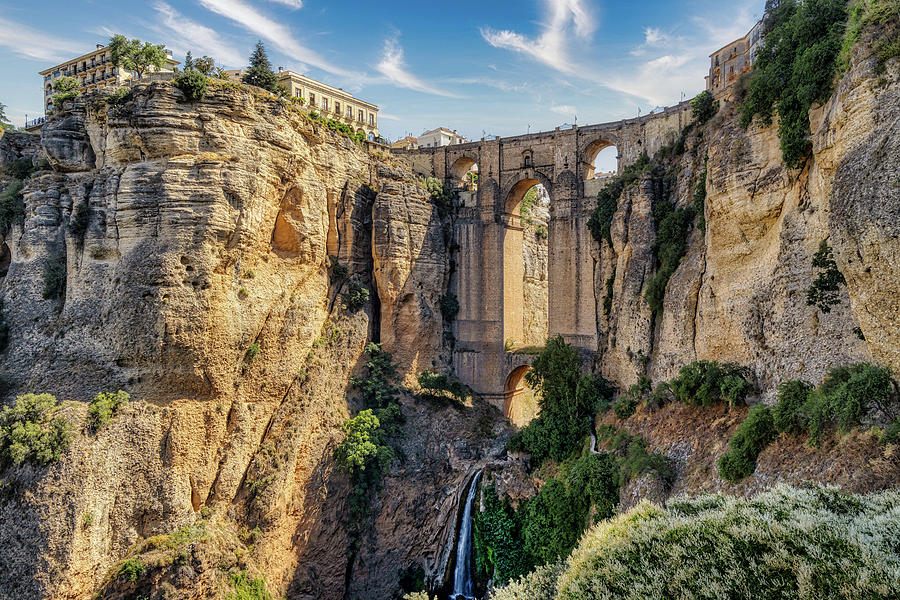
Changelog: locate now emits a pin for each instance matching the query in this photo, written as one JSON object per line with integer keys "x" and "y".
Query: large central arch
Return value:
{"x": 519, "y": 401}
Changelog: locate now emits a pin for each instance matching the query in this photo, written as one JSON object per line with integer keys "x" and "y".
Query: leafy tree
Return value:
{"x": 704, "y": 107}
{"x": 825, "y": 289}
{"x": 356, "y": 296}
{"x": 31, "y": 431}
{"x": 260, "y": 72}
{"x": 4, "y": 120}
{"x": 362, "y": 447}
{"x": 192, "y": 84}
{"x": 135, "y": 55}
{"x": 207, "y": 66}
{"x": 705, "y": 382}
{"x": 378, "y": 388}
{"x": 788, "y": 413}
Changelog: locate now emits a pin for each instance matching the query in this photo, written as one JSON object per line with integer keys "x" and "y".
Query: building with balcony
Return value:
{"x": 327, "y": 100}
{"x": 92, "y": 71}
{"x": 727, "y": 64}
{"x": 440, "y": 137}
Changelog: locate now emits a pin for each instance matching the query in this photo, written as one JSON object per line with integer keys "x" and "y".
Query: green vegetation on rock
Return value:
{"x": 260, "y": 72}
{"x": 32, "y": 431}
{"x": 825, "y": 289}
{"x": 751, "y": 438}
{"x": 104, "y": 406}
{"x": 795, "y": 69}
{"x": 136, "y": 55}
{"x": 608, "y": 198}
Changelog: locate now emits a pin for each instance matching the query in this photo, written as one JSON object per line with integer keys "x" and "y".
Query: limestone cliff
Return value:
{"x": 739, "y": 294}
{"x": 200, "y": 245}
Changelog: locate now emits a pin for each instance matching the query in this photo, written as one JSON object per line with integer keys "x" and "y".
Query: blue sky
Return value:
{"x": 486, "y": 67}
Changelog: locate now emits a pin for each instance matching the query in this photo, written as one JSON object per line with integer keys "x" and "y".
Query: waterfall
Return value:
{"x": 462, "y": 575}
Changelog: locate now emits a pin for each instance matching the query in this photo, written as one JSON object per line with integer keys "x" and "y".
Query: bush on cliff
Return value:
{"x": 794, "y": 69}
{"x": 192, "y": 84}
{"x": 104, "y": 406}
{"x": 672, "y": 227}
{"x": 12, "y": 205}
{"x": 704, "y": 107}
{"x": 751, "y": 438}
{"x": 825, "y": 289}
{"x": 442, "y": 386}
{"x": 608, "y": 198}
{"x": 32, "y": 431}
{"x": 788, "y": 414}
{"x": 786, "y": 543}
{"x": 706, "y": 382}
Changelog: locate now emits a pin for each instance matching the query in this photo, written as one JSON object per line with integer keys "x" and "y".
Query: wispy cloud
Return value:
{"x": 280, "y": 36}
{"x": 295, "y": 4}
{"x": 37, "y": 45}
{"x": 550, "y": 47}
{"x": 565, "y": 110}
{"x": 393, "y": 68}
{"x": 198, "y": 38}
{"x": 497, "y": 84}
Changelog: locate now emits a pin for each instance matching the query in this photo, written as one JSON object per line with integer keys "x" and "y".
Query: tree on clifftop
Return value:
{"x": 135, "y": 55}
{"x": 4, "y": 120}
{"x": 260, "y": 72}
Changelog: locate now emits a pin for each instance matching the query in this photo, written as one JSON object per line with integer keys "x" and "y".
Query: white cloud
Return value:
{"x": 393, "y": 68}
{"x": 550, "y": 47}
{"x": 276, "y": 33}
{"x": 653, "y": 36}
{"x": 37, "y": 45}
{"x": 565, "y": 110}
{"x": 294, "y": 4}
{"x": 197, "y": 38}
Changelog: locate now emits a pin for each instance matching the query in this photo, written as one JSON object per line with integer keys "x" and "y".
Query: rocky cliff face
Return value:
{"x": 739, "y": 294}
{"x": 200, "y": 244}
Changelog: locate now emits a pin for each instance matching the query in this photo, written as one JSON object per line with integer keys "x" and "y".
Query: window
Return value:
{"x": 371, "y": 119}
{"x": 312, "y": 99}
{"x": 349, "y": 112}
{"x": 324, "y": 103}
{"x": 361, "y": 118}
{"x": 298, "y": 93}
{"x": 337, "y": 107}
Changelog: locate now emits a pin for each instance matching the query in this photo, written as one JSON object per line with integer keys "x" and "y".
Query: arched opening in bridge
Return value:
{"x": 520, "y": 404}
{"x": 601, "y": 160}
{"x": 525, "y": 265}
{"x": 464, "y": 173}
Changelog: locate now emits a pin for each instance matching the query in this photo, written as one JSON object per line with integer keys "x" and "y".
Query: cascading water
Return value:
{"x": 462, "y": 575}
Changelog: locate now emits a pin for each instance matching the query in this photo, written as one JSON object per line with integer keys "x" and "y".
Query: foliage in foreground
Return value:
{"x": 785, "y": 543}
{"x": 31, "y": 431}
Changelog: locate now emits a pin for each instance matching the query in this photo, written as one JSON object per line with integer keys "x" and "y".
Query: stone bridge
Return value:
{"x": 488, "y": 230}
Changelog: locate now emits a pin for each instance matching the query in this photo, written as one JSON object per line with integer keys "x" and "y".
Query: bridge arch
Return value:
{"x": 519, "y": 400}
{"x": 516, "y": 192}
{"x": 592, "y": 150}
{"x": 461, "y": 166}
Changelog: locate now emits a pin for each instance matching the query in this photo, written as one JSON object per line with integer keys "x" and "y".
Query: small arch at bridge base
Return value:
{"x": 520, "y": 404}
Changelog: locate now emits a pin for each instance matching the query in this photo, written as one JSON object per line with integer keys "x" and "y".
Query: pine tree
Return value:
{"x": 260, "y": 72}
{"x": 188, "y": 62}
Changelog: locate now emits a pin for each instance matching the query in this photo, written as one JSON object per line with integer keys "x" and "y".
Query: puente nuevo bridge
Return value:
{"x": 489, "y": 233}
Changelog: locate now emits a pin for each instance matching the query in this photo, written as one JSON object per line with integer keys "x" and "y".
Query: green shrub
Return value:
{"x": 847, "y": 395}
{"x": 64, "y": 88}
{"x": 564, "y": 418}
{"x": 628, "y": 402}
{"x": 246, "y": 587}
{"x": 104, "y": 406}
{"x": 132, "y": 569}
{"x": 449, "y": 307}
{"x": 704, "y": 107}
{"x": 752, "y": 436}
{"x": 378, "y": 388}
{"x": 120, "y": 96}
{"x": 31, "y": 431}
{"x": 540, "y": 584}
{"x": 499, "y": 551}
{"x": 54, "y": 278}
{"x": 439, "y": 385}
{"x": 788, "y": 413}
{"x": 251, "y": 353}
{"x": 356, "y": 297}
{"x": 12, "y": 205}
{"x": 706, "y": 382}
{"x": 794, "y": 69}
{"x": 632, "y": 456}
{"x": 442, "y": 196}
{"x": 594, "y": 393}
{"x": 700, "y": 201}
{"x": 20, "y": 169}
{"x": 608, "y": 298}
{"x": 192, "y": 84}
{"x": 785, "y": 543}
{"x": 672, "y": 225}
{"x": 825, "y": 289}
{"x": 339, "y": 271}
